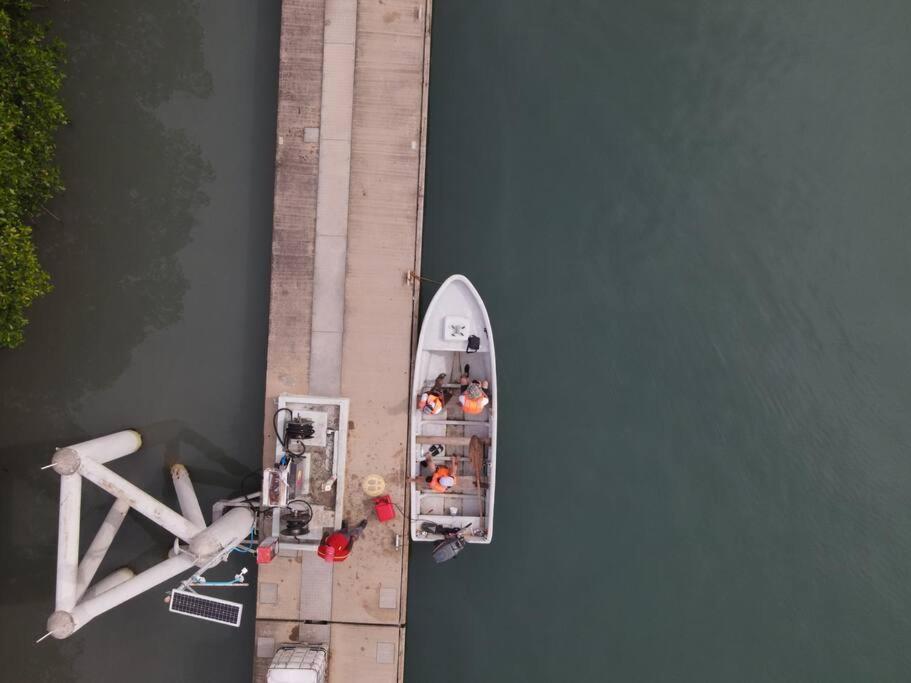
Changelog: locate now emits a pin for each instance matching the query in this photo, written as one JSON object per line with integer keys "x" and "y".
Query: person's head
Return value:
{"x": 474, "y": 390}
{"x": 447, "y": 481}
{"x": 428, "y": 408}
{"x": 337, "y": 540}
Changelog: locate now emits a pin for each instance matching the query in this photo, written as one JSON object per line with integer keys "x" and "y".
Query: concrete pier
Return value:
{"x": 351, "y": 135}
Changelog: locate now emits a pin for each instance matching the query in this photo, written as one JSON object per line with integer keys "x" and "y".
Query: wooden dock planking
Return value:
{"x": 385, "y": 208}
{"x": 385, "y": 168}
{"x": 294, "y": 205}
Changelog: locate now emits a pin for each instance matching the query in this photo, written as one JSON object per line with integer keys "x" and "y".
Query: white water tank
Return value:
{"x": 298, "y": 664}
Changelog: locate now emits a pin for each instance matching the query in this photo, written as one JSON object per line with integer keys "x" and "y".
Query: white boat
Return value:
{"x": 456, "y": 315}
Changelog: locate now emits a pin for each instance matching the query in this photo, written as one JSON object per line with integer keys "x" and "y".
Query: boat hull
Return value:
{"x": 455, "y": 313}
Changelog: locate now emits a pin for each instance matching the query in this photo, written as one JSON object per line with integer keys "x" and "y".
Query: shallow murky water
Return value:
{"x": 158, "y": 321}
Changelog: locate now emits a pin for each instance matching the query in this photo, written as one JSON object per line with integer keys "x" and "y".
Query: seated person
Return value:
{"x": 473, "y": 397}
{"x": 432, "y": 401}
{"x": 442, "y": 478}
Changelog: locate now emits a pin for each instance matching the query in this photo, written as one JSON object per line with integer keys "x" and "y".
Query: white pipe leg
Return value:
{"x": 151, "y": 577}
{"x": 226, "y": 533}
{"x": 68, "y": 540}
{"x": 100, "y": 545}
{"x": 186, "y": 496}
{"x": 218, "y": 508}
{"x": 115, "y": 578}
{"x": 110, "y": 447}
{"x": 62, "y": 624}
{"x": 138, "y": 499}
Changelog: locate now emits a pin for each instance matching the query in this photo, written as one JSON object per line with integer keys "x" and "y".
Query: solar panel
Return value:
{"x": 204, "y": 607}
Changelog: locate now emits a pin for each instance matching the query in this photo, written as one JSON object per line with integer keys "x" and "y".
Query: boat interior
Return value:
{"x": 444, "y": 439}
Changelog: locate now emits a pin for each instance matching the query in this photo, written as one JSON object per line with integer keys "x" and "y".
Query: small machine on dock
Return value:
{"x": 303, "y": 492}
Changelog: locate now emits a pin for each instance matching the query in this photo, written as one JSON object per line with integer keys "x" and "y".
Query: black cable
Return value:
{"x": 275, "y": 425}
{"x": 301, "y": 500}
{"x": 243, "y": 482}
{"x": 396, "y": 505}
{"x": 244, "y": 494}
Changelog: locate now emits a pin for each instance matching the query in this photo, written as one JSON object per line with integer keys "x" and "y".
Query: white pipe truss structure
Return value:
{"x": 77, "y": 600}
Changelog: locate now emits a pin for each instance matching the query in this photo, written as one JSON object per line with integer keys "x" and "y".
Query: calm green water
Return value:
{"x": 690, "y": 223}
{"x": 158, "y": 320}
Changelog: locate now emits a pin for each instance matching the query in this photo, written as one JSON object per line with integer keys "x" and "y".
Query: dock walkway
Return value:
{"x": 348, "y": 211}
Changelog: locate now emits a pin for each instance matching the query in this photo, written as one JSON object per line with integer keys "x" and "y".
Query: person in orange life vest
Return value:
{"x": 432, "y": 401}
{"x": 473, "y": 398}
{"x": 336, "y": 546}
{"x": 442, "y": 478}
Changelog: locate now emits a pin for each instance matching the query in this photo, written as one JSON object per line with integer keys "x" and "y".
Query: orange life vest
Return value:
{"x": 441, "y": 471}
{"x": 473, "y": 406}
{"x": 435, "y": 403}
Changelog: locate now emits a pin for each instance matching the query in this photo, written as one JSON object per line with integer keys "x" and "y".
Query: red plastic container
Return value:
{"x": 383, "y": 508}
{"x": 265, "y": 553}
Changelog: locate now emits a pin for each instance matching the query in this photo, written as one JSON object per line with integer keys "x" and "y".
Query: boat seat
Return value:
{"x": 447, "y": 421}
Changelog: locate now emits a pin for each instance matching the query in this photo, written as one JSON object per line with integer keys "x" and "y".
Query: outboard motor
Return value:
{"x": 452, "y": 543}
{"x": 448, "y": 548}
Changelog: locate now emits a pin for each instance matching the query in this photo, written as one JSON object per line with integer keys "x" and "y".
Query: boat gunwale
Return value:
{"x": 415, "y": 421}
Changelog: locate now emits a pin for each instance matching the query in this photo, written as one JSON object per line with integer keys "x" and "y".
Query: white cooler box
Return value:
{"x": 298, "y": 664}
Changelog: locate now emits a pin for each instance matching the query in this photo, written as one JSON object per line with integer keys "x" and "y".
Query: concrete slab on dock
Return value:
{"x": 348, "y": 208}
{"x": 366, "y": 653}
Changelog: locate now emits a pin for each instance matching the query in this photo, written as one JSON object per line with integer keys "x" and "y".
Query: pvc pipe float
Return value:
{"x": 100, "y": 545}
{"x": 67, "y": 461}
{"x": 110, "y": 447}
{"x": 68, "y": 541}
{"x": 218, "y": 508}
{"x": 63, "y": 623}
{"x": 115, "y": 578}
{"x": 222, "y": 535}
{"x": 76, "y": 602}
{"x": 186, "y": 496}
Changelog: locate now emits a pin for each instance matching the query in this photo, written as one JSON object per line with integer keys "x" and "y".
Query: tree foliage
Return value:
{"x": 30, "y": 113}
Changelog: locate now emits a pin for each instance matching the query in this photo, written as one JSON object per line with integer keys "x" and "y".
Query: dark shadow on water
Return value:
{"x": 129, "y": 206}
{"x": 133, "y": 189}
{"x": 158, "y": 320}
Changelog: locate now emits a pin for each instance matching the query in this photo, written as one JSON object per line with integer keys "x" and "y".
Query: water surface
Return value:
{"x": 689, "y": 222}
{"x": 160, "y": 260}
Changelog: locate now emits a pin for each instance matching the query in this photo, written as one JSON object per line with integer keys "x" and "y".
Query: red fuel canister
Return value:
{"x": 265, "y": 553}
{"x": 383, "y": 508}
